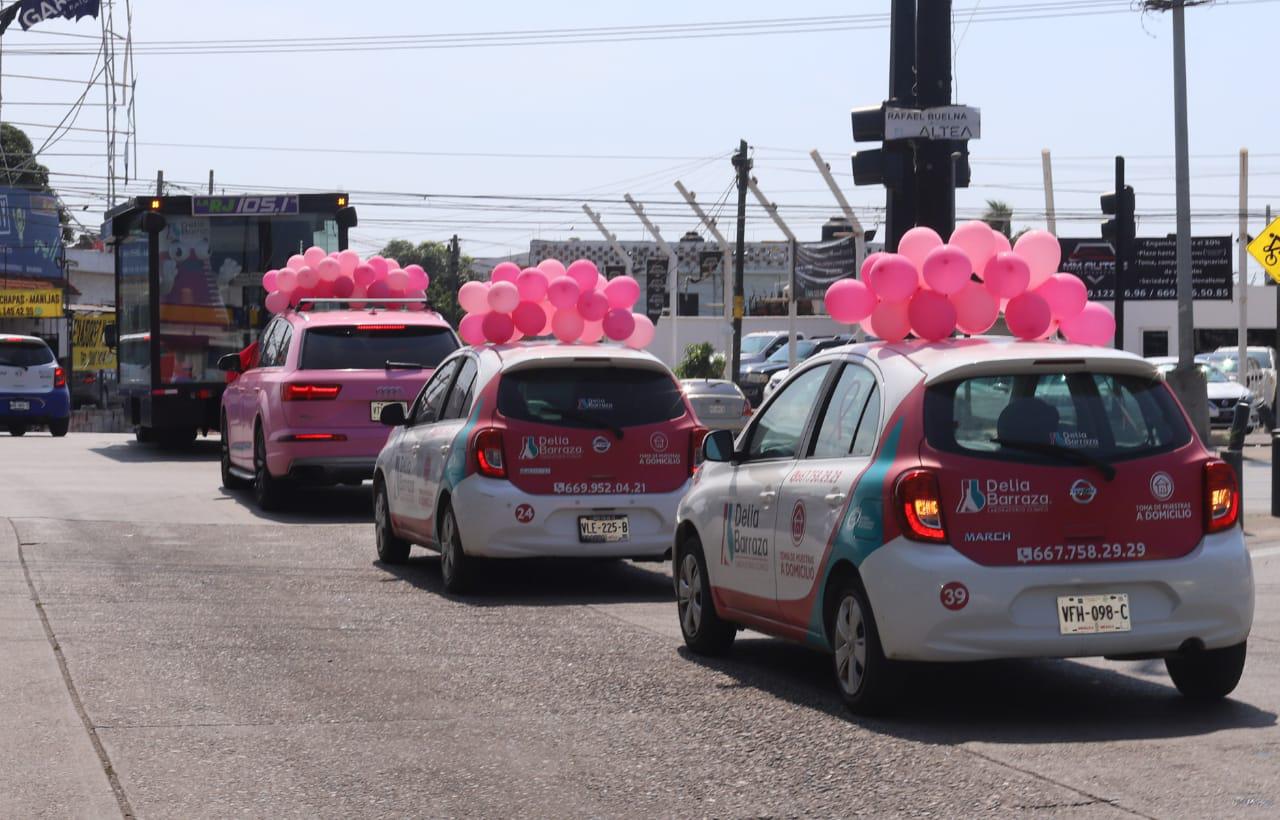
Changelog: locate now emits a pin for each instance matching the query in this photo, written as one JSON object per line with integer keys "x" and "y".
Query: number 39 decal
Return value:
{"x": 954, "y": 596}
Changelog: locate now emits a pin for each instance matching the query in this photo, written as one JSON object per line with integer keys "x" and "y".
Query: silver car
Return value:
{"x": 718, "y": 403}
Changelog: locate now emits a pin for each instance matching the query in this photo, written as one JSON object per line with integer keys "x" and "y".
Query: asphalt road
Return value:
{"x": 172, "y": 652}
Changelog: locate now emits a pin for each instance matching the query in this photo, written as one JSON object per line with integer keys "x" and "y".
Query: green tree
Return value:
{"x": 999, "y": 216}
{"x": 700, "y": 362}
{"x": 434, "y": 259}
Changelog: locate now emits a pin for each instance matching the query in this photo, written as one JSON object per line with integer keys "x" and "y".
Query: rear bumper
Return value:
{"x": 42, "y": 407}
{"x": 325, "y": 462}
{"x": 486, "y": 515}
{"x": 1012, "y": 611}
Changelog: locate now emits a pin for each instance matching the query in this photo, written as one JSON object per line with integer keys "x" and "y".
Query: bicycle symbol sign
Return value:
{"x": 1266, "y": 249}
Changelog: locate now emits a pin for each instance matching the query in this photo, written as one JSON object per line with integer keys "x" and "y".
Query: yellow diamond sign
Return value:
{"x": 1266, "y": 249}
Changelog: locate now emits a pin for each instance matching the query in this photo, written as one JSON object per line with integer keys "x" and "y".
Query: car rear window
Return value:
{"x": 590, "y": 396}
{"x": 371, "y": 347}
{"x": 24, "y": 353}
{"x": 1034, "y": 417}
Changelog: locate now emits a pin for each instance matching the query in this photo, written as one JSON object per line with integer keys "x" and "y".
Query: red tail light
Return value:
{"x": 315, "y": 437}
{"x": 920, "y": 504}
{"x": 379, "y": 327}
{"x": 59, "y": 377}
{"x": 695, "y": 448}
{"x": 488, "y": 448}
{"x": 311, "y": 392}
{"x": 1221, "y": 497}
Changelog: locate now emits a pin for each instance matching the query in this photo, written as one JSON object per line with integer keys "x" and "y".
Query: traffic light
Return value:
{"x": 892, "y": 165}
{"x": 1120, "y": 228}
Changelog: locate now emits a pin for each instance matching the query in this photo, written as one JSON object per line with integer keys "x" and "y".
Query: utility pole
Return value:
{"x": 159, "y": 183}
{"x": 1121, "y": 232}
{"x": 454, "y": 254}
{"x": 743, "y": 166}
{"x": 900, "y": 200}
{"x": 1242, "y": 339}
{"x": 772, "y": 210}
{"x": 935, "y": 172}
{"x": 611, "y": 238}
{"x": 673, "y": 262}
{"x": 1050, "y": 214}
{"x": 725, "y": 251}
{"x": 210, "y": 182}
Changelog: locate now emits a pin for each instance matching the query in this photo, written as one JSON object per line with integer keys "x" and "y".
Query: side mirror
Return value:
{"x": 718, "y": 446}
{"x": 109, "y": 337}
{"x": 229, "y": 362}
{"x": 392, "y": 415}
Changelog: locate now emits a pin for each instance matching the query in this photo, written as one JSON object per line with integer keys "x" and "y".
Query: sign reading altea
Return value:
{"x": 1152, "y": 273}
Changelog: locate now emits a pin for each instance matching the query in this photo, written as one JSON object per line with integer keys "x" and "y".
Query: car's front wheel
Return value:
{"x": 229, "y": 479}
{"x": 704, "y": 631}
{"x": 268, "y": 491}
{"x": 391, "y": 548}
{"x": 1210, "y": 674}
{"x": 17, "y": 430}
{"x": 457, "y": 569}
{"x": 864, "y": 676}
{"x": 59, "y": 427}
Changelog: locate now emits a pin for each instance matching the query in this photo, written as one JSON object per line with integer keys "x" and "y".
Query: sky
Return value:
{"x": 410, "y": 130}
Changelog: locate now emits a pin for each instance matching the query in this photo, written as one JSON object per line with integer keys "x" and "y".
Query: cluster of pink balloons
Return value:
{"x": 931, "y": 289}
{"x": 317, "y": 274}
{"x": 574, "y": 304}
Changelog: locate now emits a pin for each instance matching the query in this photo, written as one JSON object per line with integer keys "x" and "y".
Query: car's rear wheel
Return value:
{"x": 59, "y": 427}
{"x": 391, "y": 548}
{"x": 17, "y": 430}
{"x": 268, "y": 491}
{"x": 704, "y": 631}
{"x": 229, "y": 479}
{"x": 457, "y": 569}
{"x": 144, "y": 435}
{"x": 864, "y": 676}
{"x": 1210, "y": 674}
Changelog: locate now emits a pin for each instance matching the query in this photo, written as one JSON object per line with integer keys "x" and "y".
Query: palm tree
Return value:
{"x": 999, "y": 216}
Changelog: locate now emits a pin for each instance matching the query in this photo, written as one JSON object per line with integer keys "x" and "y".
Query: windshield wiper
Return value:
{"x": 589, "y": 418}
{"x": 1063, "y": 453}
{"x": 404, "y": 365}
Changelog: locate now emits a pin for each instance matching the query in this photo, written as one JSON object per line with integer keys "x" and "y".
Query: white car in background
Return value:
{"x": 1260, "y": 374}
{"x": 1224, "y": 394}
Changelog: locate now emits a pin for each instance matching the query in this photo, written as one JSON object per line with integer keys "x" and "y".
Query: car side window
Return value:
{"x": 283, "y": 338}
{"x": 837, "y": 432}
{"x": 267, "y": 347}
{"x": 432, "y": 398}
{"x": 864, "y": 443}
{"x": 459, "y": 402}
{"x": 778, "y": 430}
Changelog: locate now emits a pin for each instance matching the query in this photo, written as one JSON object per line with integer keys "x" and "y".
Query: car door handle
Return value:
{"x": 835, "y": 499}
{"x": 444, "y": 449}
{"x": 768, "y": 495}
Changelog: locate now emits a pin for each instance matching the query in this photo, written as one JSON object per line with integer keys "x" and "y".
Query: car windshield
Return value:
{"x": 590, "y": 397}
{"x": 24, "y": 353}
{"x": 752, "y": 344}
{"x": 1226, "y": 362}
{"x": 1041, "y": 417}
{"x": 803, "y": 349}
{"x": 1210, "y": 373}
{"x": 1259, "y": 358}
{"x": 371, "y": 347}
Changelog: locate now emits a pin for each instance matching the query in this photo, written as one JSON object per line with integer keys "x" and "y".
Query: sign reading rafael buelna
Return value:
{"x": 944, "y": 122}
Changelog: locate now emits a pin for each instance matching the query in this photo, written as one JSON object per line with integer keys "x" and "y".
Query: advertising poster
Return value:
{"x": 30, "y": 236}
{"x": 89, "y": 349}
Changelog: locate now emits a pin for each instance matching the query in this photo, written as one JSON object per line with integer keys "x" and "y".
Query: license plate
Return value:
{"x": 375, "y": 408}
{"x": 19, "y": 405}
{"x": 1092, "y": 614}
{"x": 716, "y": 410}
{"x": 599, "y": 529}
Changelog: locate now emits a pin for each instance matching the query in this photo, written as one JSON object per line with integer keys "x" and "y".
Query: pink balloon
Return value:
{"x": 1066, "y": 295}
{"x": 946, "y": 269}
{"x": 548, "y": 311}
{"x": 328, "y": 269}
{"x": 976, "y": 240}
{"x": 276, "y": 301}
{"x": 643, "y": 333}
{"x": 601, "y": 282}
{"x": 363, "y": 276}
{"x": 532, "y": 284}
{"x": 585, "y": 273}
{"x": 417, "y": 293}
{"x": 931, "y": 314}
{"x": 870, "y": 262}
{"x": 1006, "y": 275}
{"x": 269, "y": 280}
{"x": 392, "y": 264}
{"x": 563, "y": 293}
{"x": 516, "y": 336}
{"x": 1028, "y": 316}
{"x": 592, "y": 332}
{"x": 296, "y": 262}
{"x": 307, "y": 278}
{"x": 471, "y": 328}
{"x": 497, "y": 327}
{"x": 323, "y": 290}
{"x": 397, "y": 280}
{"x": 418, "y": 278}
{"x": 314, "y": 255}
{"x": 380, "y": 290}
{"x": 1052, "y": 329}
{"x": 976, "y": 309}
{"x": 849, "y": 301}
{"x": 503, "y": 297}
{"x": 1042, "y": 252}
{"x": 529, "y": 318}
{"x": 889, "y": 321}
{"x": 473, "y": 297}
{"x": 593, "y": 306}
{"x": 343, "y": 287}
{"x": 358, "y": 293}
{"x": 347, "y": 262}
{"x": 380, "y": 267}
{"x": 618, "y": 324}
{"x": 504, "y": 272}
{"x": 622, "y": 292}
{"x": 916, "y": 243}
{"x": 1002, "y": 242}
{"x": 894, "y": 278}
{"x": 567, "y": 325}
{"x": 552, "y": 268}
{"x": 1092, "y": 326}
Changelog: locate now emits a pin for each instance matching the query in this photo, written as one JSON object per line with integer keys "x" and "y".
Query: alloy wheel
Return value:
{"x": 850, "y": 645}
{"x": 689, "y": 592}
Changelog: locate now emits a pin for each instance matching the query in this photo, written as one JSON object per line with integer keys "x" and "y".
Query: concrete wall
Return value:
{"x": 696, "y": 329}
{"x": 1222, "y": 314}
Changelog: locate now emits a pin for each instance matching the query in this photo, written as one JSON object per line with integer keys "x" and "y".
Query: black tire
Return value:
{"x": 392, "y": 549}
{"x": 865, "y": 678}
{"x": 457, "y": 569}
{"x": 229, "y": 479}
{"x": 177, "y": 438}
{"x": 59, "y": 427}
{"x": 704, "y": 631}
{"x": 268, "y": 491}
{"x": 1210, "y": 674}
{"x": 144, "y": 435}
{"x": 17, "y": 430}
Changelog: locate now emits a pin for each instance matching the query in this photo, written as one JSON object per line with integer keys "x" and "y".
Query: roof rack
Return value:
{"x": 370, "y": 301}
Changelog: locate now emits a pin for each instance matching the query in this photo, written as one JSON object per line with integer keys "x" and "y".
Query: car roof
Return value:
{"x": 521, "y": 355}
{"x": 366, "y": 316}
{"x": 18, "y": 337}
{"x": 981, "y": 355}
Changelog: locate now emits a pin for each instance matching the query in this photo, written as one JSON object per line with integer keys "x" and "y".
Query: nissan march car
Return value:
{"x": 974, "y": 499}
{"x": 33, "y": 387}
{"x": 536, "y": 450}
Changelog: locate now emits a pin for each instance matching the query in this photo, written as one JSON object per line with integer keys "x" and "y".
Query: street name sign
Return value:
{"x": 945, "y": 122}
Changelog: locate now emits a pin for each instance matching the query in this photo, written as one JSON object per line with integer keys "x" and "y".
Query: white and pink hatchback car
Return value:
{"x": 308, "y": 410}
